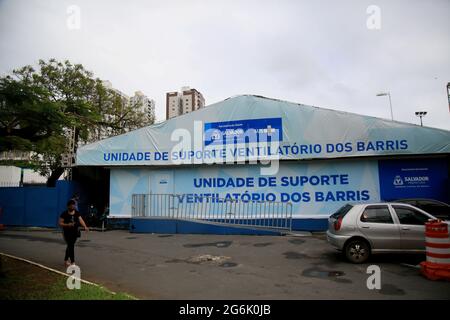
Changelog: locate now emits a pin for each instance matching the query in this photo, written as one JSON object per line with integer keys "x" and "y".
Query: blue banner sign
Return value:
{"x": 413, "y": 179}
{"x": 243, "y": 131}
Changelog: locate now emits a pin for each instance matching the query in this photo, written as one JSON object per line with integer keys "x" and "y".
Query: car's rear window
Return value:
{"x": 376, "y": 214}
{"x": 342, "y": 211}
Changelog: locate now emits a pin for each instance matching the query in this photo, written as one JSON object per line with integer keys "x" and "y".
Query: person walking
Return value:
{"x": 70, "y": 220}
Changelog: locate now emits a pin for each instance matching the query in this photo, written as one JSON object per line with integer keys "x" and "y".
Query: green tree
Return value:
{"x": 39, "y": 107}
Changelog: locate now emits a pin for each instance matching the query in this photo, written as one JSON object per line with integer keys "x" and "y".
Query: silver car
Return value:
{"x": 359, "y": 230}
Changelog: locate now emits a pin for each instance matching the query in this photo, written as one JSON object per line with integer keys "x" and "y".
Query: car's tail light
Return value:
{"x": 338, "y": 223}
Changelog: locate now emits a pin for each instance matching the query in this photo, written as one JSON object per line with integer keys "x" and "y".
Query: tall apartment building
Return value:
{"x": 185, "y": 101}
{"x": 144, "y": 104}
{"x": 139, "y": 100}
{"x": 107, "y": 84}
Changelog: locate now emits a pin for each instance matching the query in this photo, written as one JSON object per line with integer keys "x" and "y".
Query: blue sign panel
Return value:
{"x": 243, "y": 131}
{"x": 313, "y": 188}
{"x": 400, "y": 179}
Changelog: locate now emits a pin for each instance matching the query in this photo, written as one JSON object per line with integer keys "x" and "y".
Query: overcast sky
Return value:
{"x": 319, "y": 53}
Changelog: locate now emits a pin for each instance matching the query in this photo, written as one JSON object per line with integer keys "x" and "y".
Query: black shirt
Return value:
{"x": 68, "y": 218}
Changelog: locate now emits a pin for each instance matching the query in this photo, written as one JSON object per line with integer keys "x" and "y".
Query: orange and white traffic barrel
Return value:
{"x": 437, "y": 243}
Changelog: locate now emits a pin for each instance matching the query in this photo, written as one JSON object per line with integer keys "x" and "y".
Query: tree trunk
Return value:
{"x": 51, "y": 181}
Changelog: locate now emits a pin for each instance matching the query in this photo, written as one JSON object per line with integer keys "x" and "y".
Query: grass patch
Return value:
{"x": 22, "y": 281}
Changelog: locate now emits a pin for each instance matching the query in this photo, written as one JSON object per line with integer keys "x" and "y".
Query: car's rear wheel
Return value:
{"x": 357, "y": 251}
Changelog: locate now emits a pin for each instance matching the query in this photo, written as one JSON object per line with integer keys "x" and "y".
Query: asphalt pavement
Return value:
{"x": 155, "y": 266}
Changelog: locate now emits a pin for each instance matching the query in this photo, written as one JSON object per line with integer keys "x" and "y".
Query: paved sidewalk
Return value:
{"x": 223, "y": 267}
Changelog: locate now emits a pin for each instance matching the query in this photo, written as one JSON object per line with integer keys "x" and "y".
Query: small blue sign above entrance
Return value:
{"x": 243, "y": 131}
{"x": 400, "y": 179}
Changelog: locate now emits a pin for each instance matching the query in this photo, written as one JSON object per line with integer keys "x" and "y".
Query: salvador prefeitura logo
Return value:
{"x": 398, "y": 181}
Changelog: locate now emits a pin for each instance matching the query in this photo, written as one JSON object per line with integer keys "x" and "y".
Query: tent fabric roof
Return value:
{"x": 306, "y": 132}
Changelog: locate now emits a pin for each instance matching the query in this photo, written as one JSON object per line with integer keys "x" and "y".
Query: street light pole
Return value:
{"x": 382, "y": 94}
{"x": 421, "y": 114}
{"x": 448, "y": 94}
{"x": 390, "y": 104}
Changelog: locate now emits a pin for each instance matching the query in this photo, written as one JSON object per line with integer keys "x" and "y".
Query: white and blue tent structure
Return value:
{"x": 320, "y": 158}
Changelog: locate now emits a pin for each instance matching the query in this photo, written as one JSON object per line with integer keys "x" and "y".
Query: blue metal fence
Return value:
{"x": 34, "y": 206}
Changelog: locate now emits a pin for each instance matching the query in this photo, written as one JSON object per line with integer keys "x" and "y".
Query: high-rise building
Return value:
{"x": 185, "y": 101}
{"x": 145, "y": 104}
{"x": 139, "y": 100}
{"x": 107, "y": 84}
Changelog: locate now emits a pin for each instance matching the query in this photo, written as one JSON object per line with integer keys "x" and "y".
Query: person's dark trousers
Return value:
{"x": 70, "y": 250}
